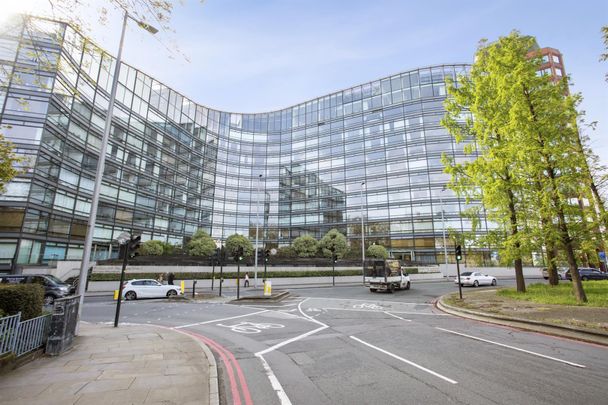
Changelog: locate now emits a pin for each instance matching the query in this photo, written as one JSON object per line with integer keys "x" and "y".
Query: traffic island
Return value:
{"x": 258, "y": 296}
{"x": 576, "y": 322}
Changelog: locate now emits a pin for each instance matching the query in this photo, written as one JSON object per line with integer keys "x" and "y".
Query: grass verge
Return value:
{"x": 561, "y": 294}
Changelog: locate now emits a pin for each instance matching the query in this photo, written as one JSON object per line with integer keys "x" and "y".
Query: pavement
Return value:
{"x": 131, "y": 364}
{"x": 589, "y": 324}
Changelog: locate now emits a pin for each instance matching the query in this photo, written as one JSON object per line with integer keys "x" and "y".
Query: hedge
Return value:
{"x": 25, "y": 298}
{"x": 207, "y": 276}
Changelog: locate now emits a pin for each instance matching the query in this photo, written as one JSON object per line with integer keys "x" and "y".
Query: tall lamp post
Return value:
{"x": 362, "y": 234}
{"x": 445, "y": 247}
{"x": 88, "y": 242}
{"x": 257, "y": 231}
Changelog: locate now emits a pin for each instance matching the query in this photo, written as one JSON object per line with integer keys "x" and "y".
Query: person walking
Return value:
{"x": 171, "y": 278}
{"x": 246, "y": 279}
{"x": 160, "y": 278}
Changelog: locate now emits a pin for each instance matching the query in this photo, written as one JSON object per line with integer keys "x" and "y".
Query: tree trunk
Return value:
{"x": 518, "y": 263}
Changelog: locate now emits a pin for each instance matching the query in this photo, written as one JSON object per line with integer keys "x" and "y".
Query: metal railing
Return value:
{"x": 8, "y": 327}
{"x": 23, "y": 337}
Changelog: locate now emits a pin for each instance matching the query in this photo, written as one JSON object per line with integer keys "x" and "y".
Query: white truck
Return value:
{"x": 385, "y": 275}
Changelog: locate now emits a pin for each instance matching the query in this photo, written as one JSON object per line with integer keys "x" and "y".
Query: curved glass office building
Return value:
{"x": 174, "y": 166}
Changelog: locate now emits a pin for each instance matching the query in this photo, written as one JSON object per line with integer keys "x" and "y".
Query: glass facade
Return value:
{"x": 174, "y": 166}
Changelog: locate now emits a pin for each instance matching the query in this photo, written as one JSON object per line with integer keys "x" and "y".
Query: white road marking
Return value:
{"x": 394, "y": 312}
{"x": 398, "y": 317}
{"x": 405, "y": 361}
{"x": 353, "y": 299}
{"x": 310, "y": 318}
{"x": 274, "y": 382}
{"x": 512, "y": 347}
{"x": 288, "y": 341}
{"x": 217, "y": 320}
{"x": 251, "y": 327}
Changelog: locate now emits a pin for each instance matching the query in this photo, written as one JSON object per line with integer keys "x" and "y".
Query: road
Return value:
{"x": 345, "y": 345}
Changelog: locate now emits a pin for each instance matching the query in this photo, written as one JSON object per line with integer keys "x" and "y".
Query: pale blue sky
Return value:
{"x": 256, "y": 56}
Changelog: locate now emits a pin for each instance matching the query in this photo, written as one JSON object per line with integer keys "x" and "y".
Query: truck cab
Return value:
{"x": 385, "y": 275}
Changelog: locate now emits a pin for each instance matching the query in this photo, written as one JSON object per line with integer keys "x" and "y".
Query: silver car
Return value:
{"x": 475, "y": 278}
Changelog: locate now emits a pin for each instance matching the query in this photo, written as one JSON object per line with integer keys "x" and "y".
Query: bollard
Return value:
{"x": 183, "y": 286}
{"x": 267, "y": 288}
{"x": 115, "y": 295}
{"x": 193, "y": 288}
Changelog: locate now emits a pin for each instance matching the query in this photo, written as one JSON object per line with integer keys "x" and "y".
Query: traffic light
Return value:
{"x": 458, "y": 252}
{"x": 240, "y": 253}
{"x": 266, "y": 255}
{"x": 334, "y": 256}
{"x": 133, "y": 245}
{"x": 216, "y": 255}
{"x": 260, "y": 255}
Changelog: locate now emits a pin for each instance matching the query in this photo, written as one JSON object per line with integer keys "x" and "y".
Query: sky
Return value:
{"x": 264, "y": 55}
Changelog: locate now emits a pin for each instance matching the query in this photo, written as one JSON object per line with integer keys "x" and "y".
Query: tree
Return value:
{"x": 151, "y": 248}
{"x": 201, "y": 244}
{"x": 604, "y": 56}
{"x": 235, "y": 241}
{"x": 377, "y": 251}
{"x": 336, "y": 240}
{"x": 8, "y": 161}
{"x": 528, "y": 166}
{"x": 305, "y": 246}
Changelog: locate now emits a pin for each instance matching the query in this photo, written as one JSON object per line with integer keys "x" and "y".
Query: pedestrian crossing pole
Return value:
{"x": 458, "y": 258}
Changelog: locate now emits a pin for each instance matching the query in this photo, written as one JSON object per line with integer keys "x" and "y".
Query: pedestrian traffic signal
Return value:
{"x": 260, "y": 255}
{"x": 266, "y": 255}
{"x": 133, "y": 245}
{"x": 240, "y": 253}
{"x": 458, "y": 253}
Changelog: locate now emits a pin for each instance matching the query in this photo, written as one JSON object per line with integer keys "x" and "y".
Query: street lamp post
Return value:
{"x": 445, "y": 248}
{"x": 88, "y": 242}
{"x": 362, "y": 234}
{"x": 257, "y": 230}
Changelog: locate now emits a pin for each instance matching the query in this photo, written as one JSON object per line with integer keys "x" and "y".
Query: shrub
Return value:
{"x": 151, "y": 248}
{"x": 286, "y": 252}
{"x": 334, "y": 239}
{"x": 377, "y": 251}
{"x": 25, "y": 298}
{"x": 201, "y": 244}
{"x": 235, "y": 241}
{"x": 306, "y": 246}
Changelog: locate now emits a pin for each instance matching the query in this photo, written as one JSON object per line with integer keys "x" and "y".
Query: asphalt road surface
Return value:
{"x": 345, "y": 345}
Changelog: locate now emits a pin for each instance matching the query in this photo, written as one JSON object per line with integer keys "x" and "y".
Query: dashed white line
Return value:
{"x": 411, "y": 363}
{"x": 218, "y": 320}
{"x": 511, "y": 347}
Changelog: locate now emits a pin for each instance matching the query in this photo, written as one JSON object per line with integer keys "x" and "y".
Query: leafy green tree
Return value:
{"x": 335, "y": 239}
{"x": 529, "y": 164}
{"x": 377, "y": 251}
{"x": 235, "y": 241}
{"x": 201, "y": 244}
{"x": 151, "y": 248}
{"x": 286, "y": 252}
{"x": 305, "y": 246}
{"x": 8, "y": 160}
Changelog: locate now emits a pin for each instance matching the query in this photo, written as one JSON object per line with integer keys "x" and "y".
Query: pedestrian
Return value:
{"x": 170, "y": 278}
{"x": 160, "y": 278}
{"x": 246, "y": 279}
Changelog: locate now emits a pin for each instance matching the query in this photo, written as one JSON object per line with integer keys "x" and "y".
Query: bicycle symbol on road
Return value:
{"x": 251, "y": 327}
{"x": 368, "y": 306}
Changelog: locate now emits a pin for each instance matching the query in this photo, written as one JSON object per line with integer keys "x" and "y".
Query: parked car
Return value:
{"x": 53, "y": 287}
{"x": 561, "y": 273}
{"x": 134, "y": 289}
{"x": 588, "y": 273}
{"x": 475, "y": 279}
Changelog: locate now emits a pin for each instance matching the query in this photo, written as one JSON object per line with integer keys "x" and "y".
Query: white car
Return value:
{"x": 135, "y": 289}
{"x": 475, "y": 279}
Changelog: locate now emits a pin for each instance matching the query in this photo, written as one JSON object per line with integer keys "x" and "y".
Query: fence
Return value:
{"x": 23, "y": 337}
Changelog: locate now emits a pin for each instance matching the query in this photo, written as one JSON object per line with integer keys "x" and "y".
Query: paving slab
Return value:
{"x": 131, "y": 364}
